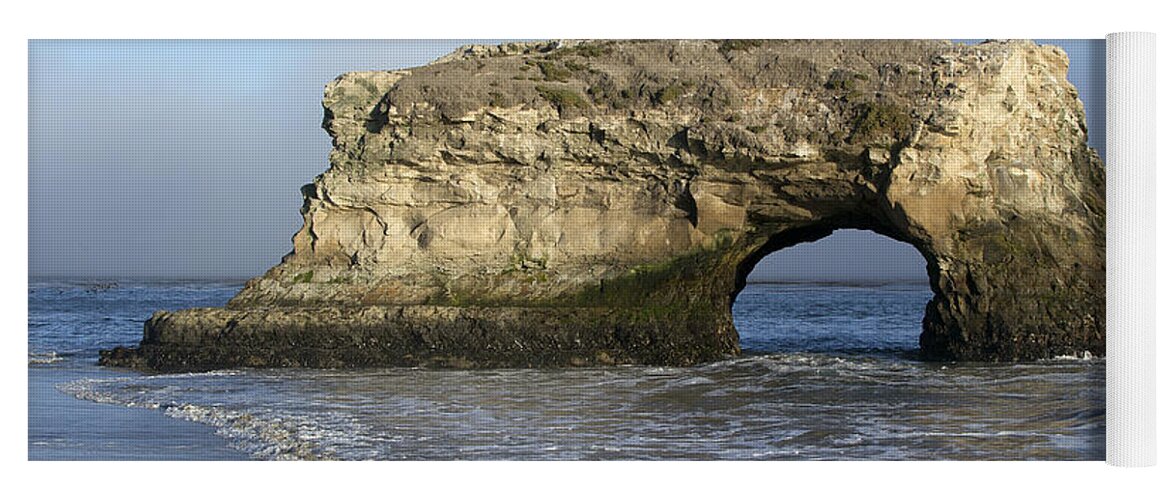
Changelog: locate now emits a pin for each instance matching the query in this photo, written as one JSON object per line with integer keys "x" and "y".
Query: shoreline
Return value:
{"x": 62, "y": 427}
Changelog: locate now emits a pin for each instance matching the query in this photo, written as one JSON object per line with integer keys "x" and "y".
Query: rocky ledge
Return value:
{"x": 601, "y": 202}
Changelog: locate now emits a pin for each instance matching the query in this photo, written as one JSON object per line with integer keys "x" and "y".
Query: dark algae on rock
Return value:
{"x": 600, "y": 202}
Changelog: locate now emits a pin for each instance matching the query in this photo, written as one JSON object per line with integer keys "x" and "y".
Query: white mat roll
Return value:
{"x": 1130, "y": 249}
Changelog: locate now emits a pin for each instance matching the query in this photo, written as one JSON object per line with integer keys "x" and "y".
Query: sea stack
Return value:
{"x": 574, "y": 203}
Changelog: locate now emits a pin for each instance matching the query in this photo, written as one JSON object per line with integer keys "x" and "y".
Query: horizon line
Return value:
{"x": 763, "y": 281}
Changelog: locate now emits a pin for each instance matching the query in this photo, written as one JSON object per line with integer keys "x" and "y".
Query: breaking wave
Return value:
{"x": 44, "y": 358}
{"x": 819, "y": 380}
{"x": 260, "y": 437}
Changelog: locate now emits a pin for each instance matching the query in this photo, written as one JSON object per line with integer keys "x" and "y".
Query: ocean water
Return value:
{"x": 829, "y": 372}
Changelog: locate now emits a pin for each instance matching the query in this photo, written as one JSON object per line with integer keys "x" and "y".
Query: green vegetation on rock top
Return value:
{"x": 878, "y": 120}
{"x": 561, "y": 97}
{"x": 739, "y": 44}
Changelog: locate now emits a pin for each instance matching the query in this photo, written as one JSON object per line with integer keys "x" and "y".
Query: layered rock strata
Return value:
{"x": 601, "y": 202}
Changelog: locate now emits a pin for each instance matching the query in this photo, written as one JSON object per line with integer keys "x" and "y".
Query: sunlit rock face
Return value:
{"x": 600, "y": 202}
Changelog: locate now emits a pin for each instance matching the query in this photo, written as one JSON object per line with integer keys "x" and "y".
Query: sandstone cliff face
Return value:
{"x": 601, "y": 202}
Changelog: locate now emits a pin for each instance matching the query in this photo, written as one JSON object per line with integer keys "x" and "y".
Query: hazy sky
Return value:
{"x": 184, "y": 158}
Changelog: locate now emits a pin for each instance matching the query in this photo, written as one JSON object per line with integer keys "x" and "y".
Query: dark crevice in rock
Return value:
{"x": 606, "y": 204}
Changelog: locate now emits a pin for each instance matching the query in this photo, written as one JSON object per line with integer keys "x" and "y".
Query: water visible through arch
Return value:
{"x": 851, "y": 292}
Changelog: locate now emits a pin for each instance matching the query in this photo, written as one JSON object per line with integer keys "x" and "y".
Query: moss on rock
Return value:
{"x": 562, "y": 98}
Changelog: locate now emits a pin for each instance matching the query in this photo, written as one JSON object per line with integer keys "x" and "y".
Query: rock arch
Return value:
{"x": 790, "y": 285}
{"x": 781, "y": 241}
{"x": 597, "y": 202}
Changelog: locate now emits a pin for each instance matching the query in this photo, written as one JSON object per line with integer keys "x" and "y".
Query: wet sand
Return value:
{"x": 61, "y": 427}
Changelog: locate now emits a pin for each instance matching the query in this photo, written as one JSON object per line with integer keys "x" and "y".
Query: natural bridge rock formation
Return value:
{"x": 575, "y": 203}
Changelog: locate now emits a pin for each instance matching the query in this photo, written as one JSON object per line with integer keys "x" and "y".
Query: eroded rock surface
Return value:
{"x": 598, "y": 202}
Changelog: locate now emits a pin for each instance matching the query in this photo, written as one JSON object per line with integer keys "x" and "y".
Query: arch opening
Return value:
{"x": 827, "y": 291}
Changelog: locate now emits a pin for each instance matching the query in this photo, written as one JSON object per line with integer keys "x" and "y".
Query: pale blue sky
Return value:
{"x": 184, "y": 158}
